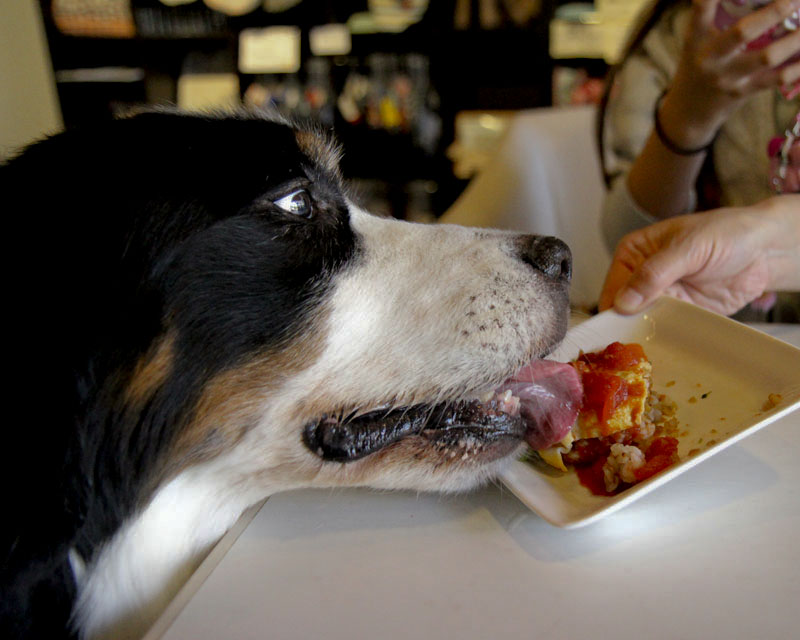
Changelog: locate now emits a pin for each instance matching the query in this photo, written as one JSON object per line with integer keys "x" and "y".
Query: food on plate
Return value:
{"x": 624, "y": 431}
{"x": 773, "y": 400}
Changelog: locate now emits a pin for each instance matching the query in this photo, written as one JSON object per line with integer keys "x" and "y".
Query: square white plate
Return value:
{"x": 734, "y": 366}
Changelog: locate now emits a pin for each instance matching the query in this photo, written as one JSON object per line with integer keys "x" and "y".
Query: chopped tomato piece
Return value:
{"x": 663, "y": 446}
{"x": 661, "y": 454}
{"x": 616, "y": 356}
{"x": 591, "y": 477}
{"x": 603, "y": 393}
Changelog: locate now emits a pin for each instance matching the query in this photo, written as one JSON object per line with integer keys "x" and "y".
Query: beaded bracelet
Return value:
{"x": 669, "y": 144}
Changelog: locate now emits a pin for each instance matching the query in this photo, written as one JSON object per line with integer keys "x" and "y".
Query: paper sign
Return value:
{"x": 269, "y": 50}
{"x": 208, "y": 91}
{"x": 330, "y": 40}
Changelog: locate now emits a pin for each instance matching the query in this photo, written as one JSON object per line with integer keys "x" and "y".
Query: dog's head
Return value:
{"x": 198, "y": 307}
{"x": 229, "y": 305}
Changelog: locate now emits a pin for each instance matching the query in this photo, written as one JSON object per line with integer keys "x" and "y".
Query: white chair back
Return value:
{"x": 545, "y": 178}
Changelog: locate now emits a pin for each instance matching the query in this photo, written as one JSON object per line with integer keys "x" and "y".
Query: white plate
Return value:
{"x": 704, "y": 353}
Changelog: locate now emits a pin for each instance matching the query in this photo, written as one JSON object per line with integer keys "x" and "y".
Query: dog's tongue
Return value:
{"x": 550, "y": 396}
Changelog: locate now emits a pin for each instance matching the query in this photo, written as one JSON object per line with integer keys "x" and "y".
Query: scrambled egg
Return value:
{"x": 628, "y": 414}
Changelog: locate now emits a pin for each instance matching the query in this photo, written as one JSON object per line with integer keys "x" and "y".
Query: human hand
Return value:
{"x": 720, "y": 260}
{"x": 717, "y": 69}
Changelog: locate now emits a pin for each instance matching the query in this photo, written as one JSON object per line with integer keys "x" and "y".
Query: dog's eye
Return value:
{"x": 297, "y": 203}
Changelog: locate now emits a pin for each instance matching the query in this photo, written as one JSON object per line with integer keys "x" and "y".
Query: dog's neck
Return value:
{"x": 126, "y": 586}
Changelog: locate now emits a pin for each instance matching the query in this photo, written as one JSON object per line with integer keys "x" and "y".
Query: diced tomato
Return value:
{"x": 616, "y": 356}
{"x": 603, "y": 393}
{"x": 589, "y": 455}
{"x": 591, "y": 477}
{"x": 663, "y": 446}
{"x": 661, "y": 454}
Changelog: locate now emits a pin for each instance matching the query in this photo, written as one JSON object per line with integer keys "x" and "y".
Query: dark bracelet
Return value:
{"x": 669, "y": 144}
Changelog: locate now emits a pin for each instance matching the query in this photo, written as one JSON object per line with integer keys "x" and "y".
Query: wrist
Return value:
{"x": 668, "y": 141}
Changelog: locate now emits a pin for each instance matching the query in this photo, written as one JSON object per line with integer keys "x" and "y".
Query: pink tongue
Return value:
{"x": 550, "y": 396}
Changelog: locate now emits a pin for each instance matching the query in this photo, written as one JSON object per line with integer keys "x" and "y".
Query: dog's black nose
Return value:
{"x": 549, "y": 255}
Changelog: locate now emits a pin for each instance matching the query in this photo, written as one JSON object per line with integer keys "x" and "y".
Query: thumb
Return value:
{"x": 652, "y": 278}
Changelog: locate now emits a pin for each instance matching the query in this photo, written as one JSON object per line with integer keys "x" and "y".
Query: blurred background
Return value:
{"x": 418, "y": 91}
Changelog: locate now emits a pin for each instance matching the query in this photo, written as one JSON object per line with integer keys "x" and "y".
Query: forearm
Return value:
{"x": 661, "y": 181}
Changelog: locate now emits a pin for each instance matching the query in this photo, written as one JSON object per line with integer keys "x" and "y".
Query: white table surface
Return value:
{"x": 715, "y": 553}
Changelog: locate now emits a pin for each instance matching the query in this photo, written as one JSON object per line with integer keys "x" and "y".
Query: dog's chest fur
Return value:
{"x": 142, "y": 566}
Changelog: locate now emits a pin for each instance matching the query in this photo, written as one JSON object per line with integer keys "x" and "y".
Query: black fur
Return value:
{"x": 115, "y": 235}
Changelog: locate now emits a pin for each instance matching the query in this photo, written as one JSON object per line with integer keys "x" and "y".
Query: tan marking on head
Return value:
{"x": 151, "y": 371}
{"x": 321, "y": 149}
{"x": 233, "y": 401}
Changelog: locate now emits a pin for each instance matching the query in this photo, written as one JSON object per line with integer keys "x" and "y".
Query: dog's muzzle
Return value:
{"x": 537, "y": 404}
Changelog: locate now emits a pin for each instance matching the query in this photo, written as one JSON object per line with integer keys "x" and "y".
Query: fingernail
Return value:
{"x": 628, "y": 300}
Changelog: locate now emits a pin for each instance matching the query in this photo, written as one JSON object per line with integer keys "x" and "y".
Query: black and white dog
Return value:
{"x": 200, "y": 317}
